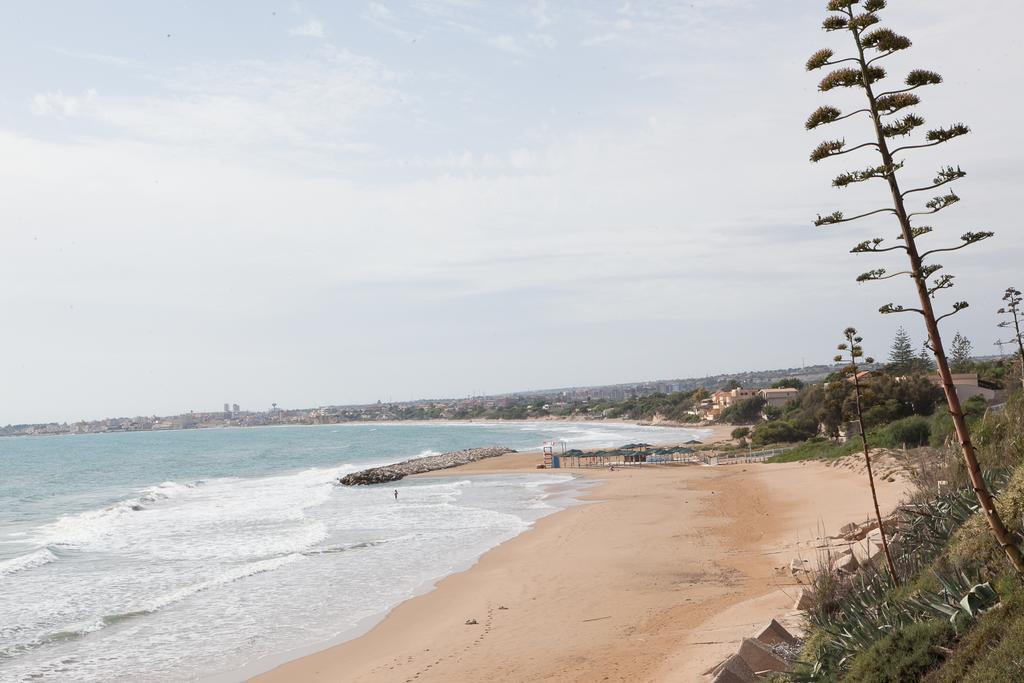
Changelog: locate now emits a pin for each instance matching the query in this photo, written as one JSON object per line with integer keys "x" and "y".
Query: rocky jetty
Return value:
{"x": 381, "y": 475}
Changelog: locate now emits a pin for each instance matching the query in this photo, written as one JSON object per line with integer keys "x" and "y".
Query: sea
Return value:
{"x": 214, "y": 554}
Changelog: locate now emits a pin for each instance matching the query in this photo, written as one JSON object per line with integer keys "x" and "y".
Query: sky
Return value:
{"x": 342, "y": 202}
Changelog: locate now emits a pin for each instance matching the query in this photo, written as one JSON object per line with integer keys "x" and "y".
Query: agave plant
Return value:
{"x": 961, "y": 599}
{"x": 867, "y": 608}
{"x": 869, "y": 613}
{"x": 926, "y": 529}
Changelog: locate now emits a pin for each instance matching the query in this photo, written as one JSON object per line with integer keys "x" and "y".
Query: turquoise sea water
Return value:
{"x": 179, "y": 555}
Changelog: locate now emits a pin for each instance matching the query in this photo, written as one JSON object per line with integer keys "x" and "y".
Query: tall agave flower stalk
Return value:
{"x": 861, "y": 70}
{"x": 853, "y": 347}
{"x": 1013, "y": 300}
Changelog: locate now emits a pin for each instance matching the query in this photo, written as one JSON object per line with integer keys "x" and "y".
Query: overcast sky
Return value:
{"x": 322, "y": 203}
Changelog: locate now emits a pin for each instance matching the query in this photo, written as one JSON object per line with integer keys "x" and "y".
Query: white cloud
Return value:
{"x": 446, "y": 7}
{"x": 313, "y": 28}
{"x": 99, "y": 58}
{"x": 599, "y": 39}
{"x": 58, "y": 104}
{"x": 539, "y": 10}
{"x": 310, "y": 104}
{"x": 379, "y": 12}
{"x": 384, "y": 18}
{"x": 506, "y": 42}
{"x": 661, "y": 224}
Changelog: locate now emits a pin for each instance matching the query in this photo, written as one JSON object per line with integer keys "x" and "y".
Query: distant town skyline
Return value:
{"x": 441, "y": 407}
{"x": 321, "y": 204}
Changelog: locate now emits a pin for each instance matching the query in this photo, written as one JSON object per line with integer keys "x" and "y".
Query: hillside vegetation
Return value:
{"x": 958, "y": 615}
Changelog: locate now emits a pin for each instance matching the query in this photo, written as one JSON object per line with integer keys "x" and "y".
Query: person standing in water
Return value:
{"x": 396, "y": 494}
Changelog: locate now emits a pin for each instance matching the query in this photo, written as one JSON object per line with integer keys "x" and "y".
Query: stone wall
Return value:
{"x": 381, "y": 475}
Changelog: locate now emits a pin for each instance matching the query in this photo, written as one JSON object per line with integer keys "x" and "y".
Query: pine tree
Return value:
{"x": 960, "y": 351}
{"x": 861, "y": 69}
{"x": 901, "y": 354}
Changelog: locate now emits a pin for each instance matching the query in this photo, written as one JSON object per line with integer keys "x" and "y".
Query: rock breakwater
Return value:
{"x": 380, "y": 475}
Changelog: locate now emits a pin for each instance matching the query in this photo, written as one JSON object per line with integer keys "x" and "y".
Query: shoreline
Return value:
{"x": 680, "y": 561}
{"x": 571, "y": 494}
{"x": 425, "y": 465}
{"x": 479, "y": 421}
{"x": 516, "y": 462}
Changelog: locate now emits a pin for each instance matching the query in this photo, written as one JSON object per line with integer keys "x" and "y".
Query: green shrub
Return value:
{"x": 991, "y": 651}
{"x": 780, "y": 431}
{"x": 903, "y": 656}
{"x": 911, "y": 431}
{"x": 746, "y": 411}
{"x": 740, "y": 432}
{"x": 942, "y": 432}
{"x": 975, "y": 407}
{"x": 1000, "y": 436}
{"x": 974, "y": 546}
{"x": 817, "y": 448}
{"x": 806, "y": 424}
{"x": 883, "y": 413}
{"x": 875, "y": 633}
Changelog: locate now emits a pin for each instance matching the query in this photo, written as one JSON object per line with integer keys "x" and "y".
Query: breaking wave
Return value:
{"x": 36, "y": 558}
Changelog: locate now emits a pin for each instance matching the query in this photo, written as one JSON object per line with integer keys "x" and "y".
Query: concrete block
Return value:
{"x": 846, "y": 563}
{"x": 734, "y": 670}
{"x": 804, "y": 599}
{"x": 760, "y": 658}
{"x": 774, "y": 633}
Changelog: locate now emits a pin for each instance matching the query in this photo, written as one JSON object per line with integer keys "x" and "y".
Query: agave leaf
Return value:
{"x": 980, "y": 597}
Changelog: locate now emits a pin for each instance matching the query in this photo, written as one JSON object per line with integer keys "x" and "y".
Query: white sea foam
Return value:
{"x": 230, "y": 576}
{"x": 551, "y": 480}
{"x": 608, "y": 434}
{"x": 231, "y": 569}
{"x": 168, "y": 489}
{"x": 36, "y": 558}
{"x": 78, "y": 629}
{"x": 327, "y": 550}
{"x": 445, "y": 485}
{"x": 84, "y": 527}
{"x": 229, "y": 517}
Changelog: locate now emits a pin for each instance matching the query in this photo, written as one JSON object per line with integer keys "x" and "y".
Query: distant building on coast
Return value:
{"x": 967, "y": 386}
{"x": 778, "y": 397}
{"x": 713, "y": 408}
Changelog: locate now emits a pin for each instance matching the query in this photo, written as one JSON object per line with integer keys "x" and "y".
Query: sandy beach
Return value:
{"x": 655, "y": 578}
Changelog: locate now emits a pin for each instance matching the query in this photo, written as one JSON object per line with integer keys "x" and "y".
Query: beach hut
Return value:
{"x": 635, "y": 452}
